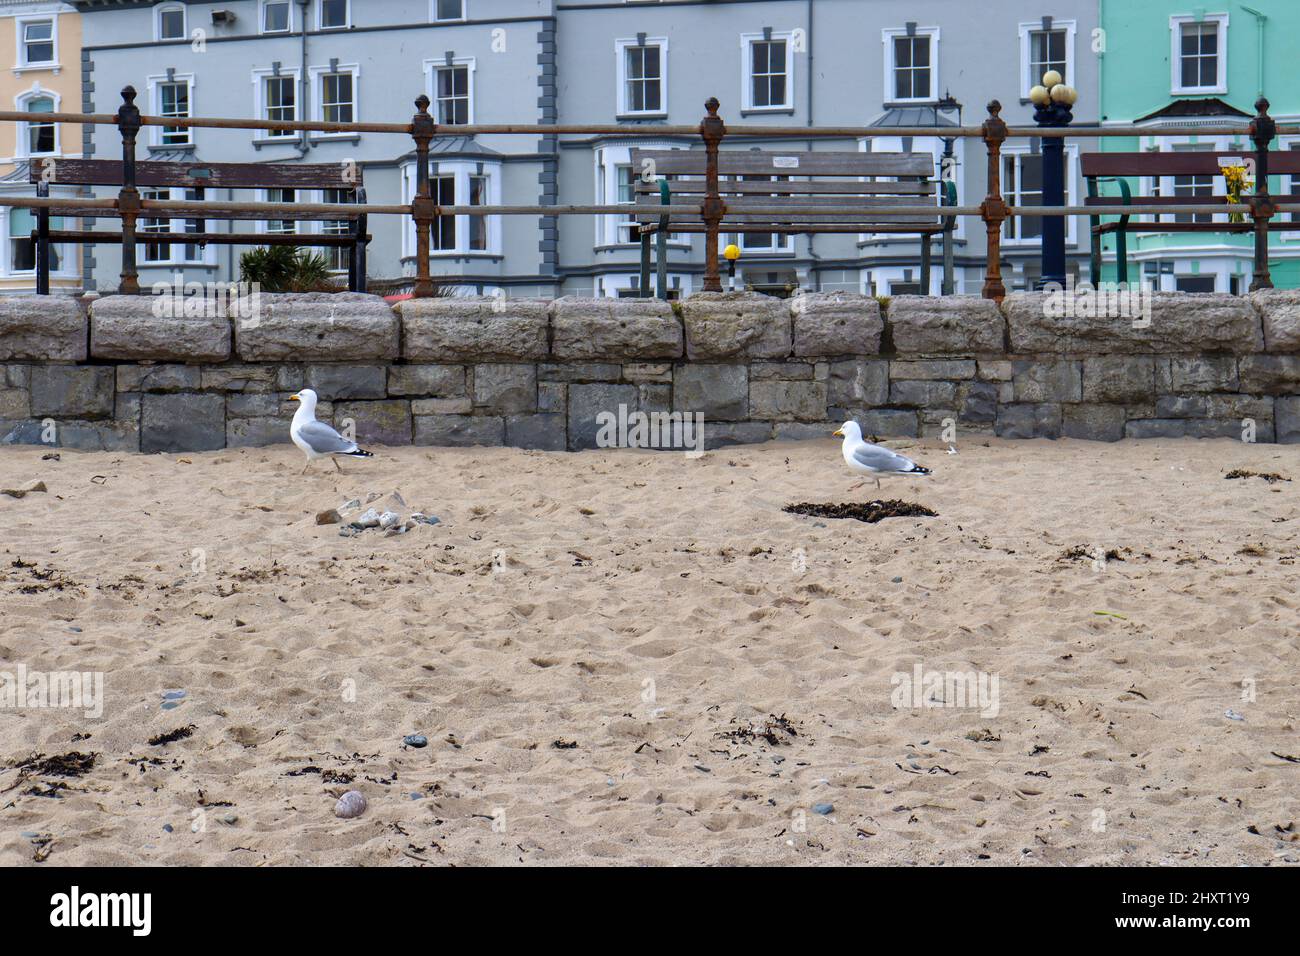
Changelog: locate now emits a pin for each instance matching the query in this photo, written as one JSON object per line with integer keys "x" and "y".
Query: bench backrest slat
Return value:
{"x": 738, "y": 162}
{"x": 108, "y": 172}
{"x": 1182, "y": 162}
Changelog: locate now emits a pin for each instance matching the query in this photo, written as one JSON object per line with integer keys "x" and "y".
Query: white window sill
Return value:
{"x": 746, "y": 110}
{"x": 37, "y": 68}
{"x": 325, "y": 137}
{"x": 642, "y": 116}
{"x": 1199, "y": 91}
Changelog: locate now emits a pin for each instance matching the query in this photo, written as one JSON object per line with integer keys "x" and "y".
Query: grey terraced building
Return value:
{"x": 645, "y": 62}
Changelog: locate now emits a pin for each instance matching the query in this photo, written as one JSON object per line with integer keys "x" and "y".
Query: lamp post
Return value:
{"x": 1052, "y": 101}
{"x": 947, "y": 173}
{"x": 731, "y": 254}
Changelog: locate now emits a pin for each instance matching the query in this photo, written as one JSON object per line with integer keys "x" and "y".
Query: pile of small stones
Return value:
{"x": 388, "y": 521}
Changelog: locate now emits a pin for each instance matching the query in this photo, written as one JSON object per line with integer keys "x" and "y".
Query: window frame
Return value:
{"x": 1027, "y": 30}
{"x": 23, "y": 139}
{"x": 1018, "y": 152}
{"x": 431, "y": 68}
{"x": 261, "y": 18}
{"x": 21, "y": 62}
{"x": 887, "y": 36}
{"x": 606, "y": 162}
{"x": 163, "y": 8}
{"x": 317, "y": 75}
{"x": 621, "y": 47}
{"x": 320, "y": 17}
{"x": 1176, "y": 24}
{"x": 261, "y": 104}
{"x": 207, "y": 254}
{"x": 747, "y": 41}
{"x": 460, "y": 170}
{"x": 156, "y": 83}
{"x": 68, "y": 264}
{"x": 434, "y": 18}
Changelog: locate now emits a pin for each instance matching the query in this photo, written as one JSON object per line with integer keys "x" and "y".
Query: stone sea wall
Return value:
{"x": 124, "y": 374}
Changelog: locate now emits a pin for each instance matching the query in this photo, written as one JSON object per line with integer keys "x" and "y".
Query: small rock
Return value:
{"x": 167, "y": 828}
{"x": 330, "y": 516}
{"x": 1232, "y": 714}
{"x": 825, "y": 809}
{"x": 351, "y": 804}
{"x": 348, "y": 532}
{"x": 229, "y": 819}
{"x": 373, "y": 496}
{"x": 897, "y": 580}
{"x": 350, "y": 506}
{"x": 423, "y": 518}
{"x": 388, "y": 519}
{"x": 370, "y": 519}
{"x": 415, "y": 740}
{"x": 51, "y": 456}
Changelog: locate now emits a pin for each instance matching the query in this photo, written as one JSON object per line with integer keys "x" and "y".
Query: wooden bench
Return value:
{"x": 201, "y": 177}
{"x": 749, "y": 179}
{"x": 1100, "y": 168}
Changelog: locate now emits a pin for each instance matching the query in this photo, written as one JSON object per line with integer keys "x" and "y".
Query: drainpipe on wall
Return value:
{"x": 304, "y": 143}
{"x": 813, "y": 272}
{"x": 1259, "y": 45}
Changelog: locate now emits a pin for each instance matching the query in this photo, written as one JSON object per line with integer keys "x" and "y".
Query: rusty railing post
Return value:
{"x": 993, "y": 210}
{"x": 1262, "y": 131}
{"x": 712, "y": 129}
{"x": 422, "y": 207}
{"x": 128, "y": 197}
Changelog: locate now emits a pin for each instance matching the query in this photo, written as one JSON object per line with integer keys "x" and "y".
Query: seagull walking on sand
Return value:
{"x": 874, "y": 460}
{"x": 316, "y": 439}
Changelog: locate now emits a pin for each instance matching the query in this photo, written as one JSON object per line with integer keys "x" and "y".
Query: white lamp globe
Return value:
{"x": 1052, "y": 78}
{"x": 1039, "y": 95}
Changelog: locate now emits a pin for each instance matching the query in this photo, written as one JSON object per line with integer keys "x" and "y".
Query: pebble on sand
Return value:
{"x": 351, "y": 804}
{"x": 329, "y": 516}
{"x": 415, "y": 740}
{"x": 825, "y": 809}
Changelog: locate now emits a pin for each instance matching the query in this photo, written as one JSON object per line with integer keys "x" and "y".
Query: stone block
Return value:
{"x": 241, "y": 378}
{"x": 181, "y": 421}
{"x": 256, "y": 405}
{"x": 579, "y": 372}
{"x": 1286, "y": 420}
{"x": 719, "y": 392}
{"x": 459, "y": 430}
{"x": 98, "y": 436}
{"x": 256, "y": 432}
{"x": 620, "y": 329}
{"x": 554, "y": 396}
{"x": 1209, "y": 373}
{"x": 72, "y": 391}
{"x": 943, "y": 370}
{"x": 589, "y": 403}
{"x": 437, "y": 381}
{"x": 805, "y": 431}
{"x": 927, "y": 394}
{"x": 1181, "y": 406}
{"x": 721, "y": 325}
{"x": 442, "y": 406}
{"x": 156, "y": 328}
{"x": 889, "y": 422}
{"x": 1280, "y": 311}
{"x": 722, "y": 434}
{"x": 946, "y": 325}
{"x": 42, "y": 328}
{"x": 1179, "y": 323}
{"x": 15, "y": 403}
{"x": 505, "y": 389}
{"x": 318, "y": 326}
{"x": 981, "y": 404}
{"x": 545, "y": 431}
{"x": 858, "y": 383}
{"x": 1156, "y": 428}
{"x": 158, "y": 378}
{"x": 1036, "y": 381}
{"x": 648, "y": 372}
{"x": 835, "y": 323}
{"x": 385, "y": 422}
{"x": 1270, "y": 374}
{"x": 474, "y": 329}
{"x": 1118, "y": 378}
{"x": 995, "y": 370}
{"x": 1029, "y": 420}
{"x": 335, "y": 382}
{"x": 1093, "y": 422}
{"x": 787, "y": 401}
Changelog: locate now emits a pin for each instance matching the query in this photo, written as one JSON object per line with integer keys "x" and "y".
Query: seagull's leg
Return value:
{"x": 305, "y": 467}
{"x": 877, "y": 484}
{"x": 337, "y": 467}
{"x": 856, "y": 485}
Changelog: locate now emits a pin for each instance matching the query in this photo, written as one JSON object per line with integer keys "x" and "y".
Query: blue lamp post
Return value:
{"x": 1052, "y": 101}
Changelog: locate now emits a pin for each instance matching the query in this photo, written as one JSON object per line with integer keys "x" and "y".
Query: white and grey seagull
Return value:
{"x": 316, "y": 439}
{"x": 874, "y": 460}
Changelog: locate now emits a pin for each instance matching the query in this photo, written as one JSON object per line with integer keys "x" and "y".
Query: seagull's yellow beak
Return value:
{"x": 294, "y": 398}
{"x": 838, "y": 433}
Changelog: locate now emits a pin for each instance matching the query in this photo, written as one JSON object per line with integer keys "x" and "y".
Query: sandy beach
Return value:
{"x": 638, "y": 658}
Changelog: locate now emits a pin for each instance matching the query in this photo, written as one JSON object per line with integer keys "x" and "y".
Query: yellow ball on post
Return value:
{"x": 731, "y": 253}
{"x": 1052, "y": 78}
{"x": 1039, "y": 96}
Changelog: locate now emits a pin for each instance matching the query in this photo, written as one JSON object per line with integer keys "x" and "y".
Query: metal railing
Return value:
{"x": 993, "y": 210}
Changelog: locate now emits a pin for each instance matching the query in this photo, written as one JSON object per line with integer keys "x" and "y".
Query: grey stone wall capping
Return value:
{"x": 537, "y": 373}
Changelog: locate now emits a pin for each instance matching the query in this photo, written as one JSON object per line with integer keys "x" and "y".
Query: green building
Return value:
{"x": 1178, "y": 68}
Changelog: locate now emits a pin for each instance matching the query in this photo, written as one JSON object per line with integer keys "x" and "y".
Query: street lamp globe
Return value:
{"x": 1052, "y": 78}
{"x": 1039, "y": 96}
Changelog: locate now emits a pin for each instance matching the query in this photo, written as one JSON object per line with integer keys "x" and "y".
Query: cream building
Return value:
{"x": 42, "y": 41}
